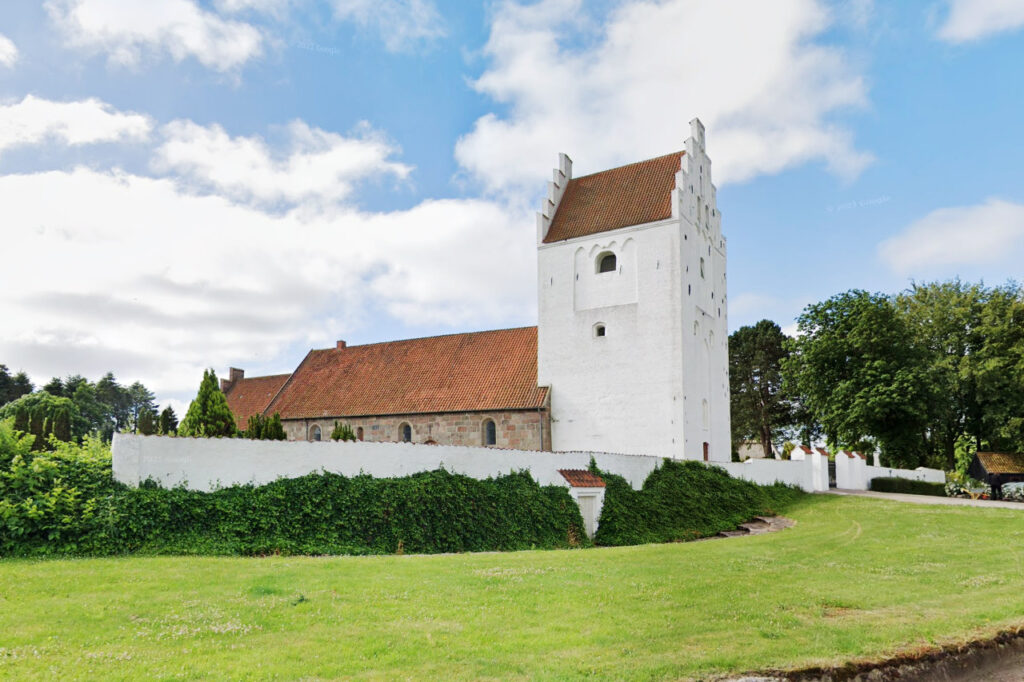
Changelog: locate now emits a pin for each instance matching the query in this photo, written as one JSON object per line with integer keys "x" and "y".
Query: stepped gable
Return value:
{"x": 247, "y": 397}
{"x": 628, "y": 195}
{"x": 491, "y": 370}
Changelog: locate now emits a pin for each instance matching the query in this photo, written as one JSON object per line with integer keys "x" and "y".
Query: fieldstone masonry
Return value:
{"x": 514, "y": 429}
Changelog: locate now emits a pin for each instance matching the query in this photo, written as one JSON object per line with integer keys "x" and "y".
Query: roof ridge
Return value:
{"x": 423, "y": 338}
{"x": 627, "y": 165}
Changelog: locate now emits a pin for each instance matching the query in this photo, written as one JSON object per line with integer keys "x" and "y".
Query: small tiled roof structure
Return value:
{"x": 1001, "y": 463}
{"x": 822, "y": 451}
{"x": 628, "y": 195}
{"x": 581, "y": 478}
{"x": 997, "y": 468}
{"x": 247, "y": 397}
{"x": 479, "y": 371}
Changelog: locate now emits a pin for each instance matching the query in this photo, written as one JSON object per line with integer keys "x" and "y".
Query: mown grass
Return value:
{"x": 855, "y": 578}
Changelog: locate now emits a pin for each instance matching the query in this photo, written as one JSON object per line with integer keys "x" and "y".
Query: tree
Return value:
{"x": 13, "y": 387}
{"x": 274, "y": 429}
{"x": 343, "y": 432}
{"x": 759, "y": 408}
{"x": 118, "y": 400}
{"x": 55, "y": 387}
{"x": 208, "y": 415}
{"x": 265, "y": 428}
{"x": 139, "y": 398}
{"x": 146, "y": 423}
{"x": 861, "y": 374}
{"x": 168, "y": 421}
{"x": 42, "y": 415}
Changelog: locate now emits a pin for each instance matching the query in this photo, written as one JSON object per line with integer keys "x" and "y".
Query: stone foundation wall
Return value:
{"x": 517, "y": 430}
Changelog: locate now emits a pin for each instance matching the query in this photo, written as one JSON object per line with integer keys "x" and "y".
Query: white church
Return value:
{"x": 629, "y": 354}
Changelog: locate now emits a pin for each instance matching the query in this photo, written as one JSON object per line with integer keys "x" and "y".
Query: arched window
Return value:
{"x": 314, "y": 433}
{"x": 359, "y": 433}
{"x": 606, "y": 262}
{"x": 405, "y": 433}
{"x": 702, "y": 268}
{"x": 490, "y": 432}
{"x": 599, "y": 330}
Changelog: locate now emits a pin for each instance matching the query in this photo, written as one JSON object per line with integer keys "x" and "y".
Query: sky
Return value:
{"x": 212, "y": 183}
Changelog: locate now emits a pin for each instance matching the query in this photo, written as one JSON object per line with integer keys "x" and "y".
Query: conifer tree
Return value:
{"x": 168, "y": 421}
{"x": 208, "y": 415}
{"x": 273, "y": 429}
{"x": 255, "y": 428}
{"x": 146, "y": 423}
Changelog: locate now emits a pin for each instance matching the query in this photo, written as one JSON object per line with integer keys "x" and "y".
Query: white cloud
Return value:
{"x": 125, "y": 29}
{"x": 316, "y": 165}
{"x": 975, "y": 19}
{"x": 34, "y": 121}
{"x": 402, "y": 24}
{"x": 987, "y": 233}
{"x": 751, "y": 70}
{"x": 8, "y": 52}
{"x": 131, "y": 274}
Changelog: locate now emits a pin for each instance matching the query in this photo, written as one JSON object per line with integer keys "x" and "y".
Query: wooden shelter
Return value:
{"x": 997, "y": 469}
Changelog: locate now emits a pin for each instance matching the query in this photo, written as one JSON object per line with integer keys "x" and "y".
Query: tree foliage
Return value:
{"x": 265, "y": 428}
{"x": 147, "y": 422}
{"x": 759, "y": 409}
{"x": 343, "y": 432}
{"x": 42, "y": 416}
{"x": 208, "y": 416}
{"x": 918, "y": 373}
{"x": 13, "y": 387}
{"x": 862, "y": 374}
{"x": 168, "y": 421}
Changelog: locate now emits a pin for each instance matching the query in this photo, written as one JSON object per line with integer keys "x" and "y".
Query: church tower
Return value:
{"x": 632, "y": 332}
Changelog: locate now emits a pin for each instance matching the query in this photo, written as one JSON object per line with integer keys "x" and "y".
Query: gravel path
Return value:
{"x": 930, "y": 499}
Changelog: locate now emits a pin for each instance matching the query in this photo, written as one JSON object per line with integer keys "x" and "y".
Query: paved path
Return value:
{"x": 930, "y": 499}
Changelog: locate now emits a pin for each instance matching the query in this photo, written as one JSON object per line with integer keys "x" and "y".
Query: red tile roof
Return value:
{"x": 581, "y": 478}
{"x": 629, "y": 195}
{"x": 247, "y": 397}
{"x": 492, "y": 370}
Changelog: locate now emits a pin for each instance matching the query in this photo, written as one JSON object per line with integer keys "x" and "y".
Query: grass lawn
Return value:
{"x": 856, "y": 578}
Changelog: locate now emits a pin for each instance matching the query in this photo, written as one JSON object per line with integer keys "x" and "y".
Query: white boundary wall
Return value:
{"x": 210, "y": 463}
{"x": 853, "y": 473}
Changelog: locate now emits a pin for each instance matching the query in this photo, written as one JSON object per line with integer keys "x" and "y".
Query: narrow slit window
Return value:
{"x": 490, "y": 432}
{"x": 406, "y": 433}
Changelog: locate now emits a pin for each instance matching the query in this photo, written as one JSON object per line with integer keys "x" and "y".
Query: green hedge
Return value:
{"x": 65, "y": 502}
{"x": 683, "y": 501}
{"x": 903, "y": 485}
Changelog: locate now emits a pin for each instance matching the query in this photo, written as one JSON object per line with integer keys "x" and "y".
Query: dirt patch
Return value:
{"x": 995, "y": 659}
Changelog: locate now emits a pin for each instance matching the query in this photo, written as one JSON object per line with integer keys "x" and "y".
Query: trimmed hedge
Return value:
{"x": 66, "y": 502}
{"x": 903, "y": 485}
{"x": 683, "y": 501}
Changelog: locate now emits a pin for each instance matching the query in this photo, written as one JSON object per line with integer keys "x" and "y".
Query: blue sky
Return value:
{"x": 197, "y": 183}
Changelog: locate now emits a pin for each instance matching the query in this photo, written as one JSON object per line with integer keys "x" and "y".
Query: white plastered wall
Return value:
{"x": 656, "y": 382}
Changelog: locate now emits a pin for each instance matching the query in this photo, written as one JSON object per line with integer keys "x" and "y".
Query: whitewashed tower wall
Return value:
{"x": 657, "y": 382}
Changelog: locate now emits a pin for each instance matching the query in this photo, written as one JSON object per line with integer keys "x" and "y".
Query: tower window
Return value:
{"x": 405, "y": 431}
{"x": 599, "y": 330}
{"x": 314, "y": 433}
{"x": 702, "y": 268}
{"x": 490, "y": 432}
{"x": 606, "y": 262}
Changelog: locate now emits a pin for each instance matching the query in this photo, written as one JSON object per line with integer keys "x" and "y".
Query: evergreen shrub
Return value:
{"x": 903, "y": 485}
{"x": 683, "y": 501}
